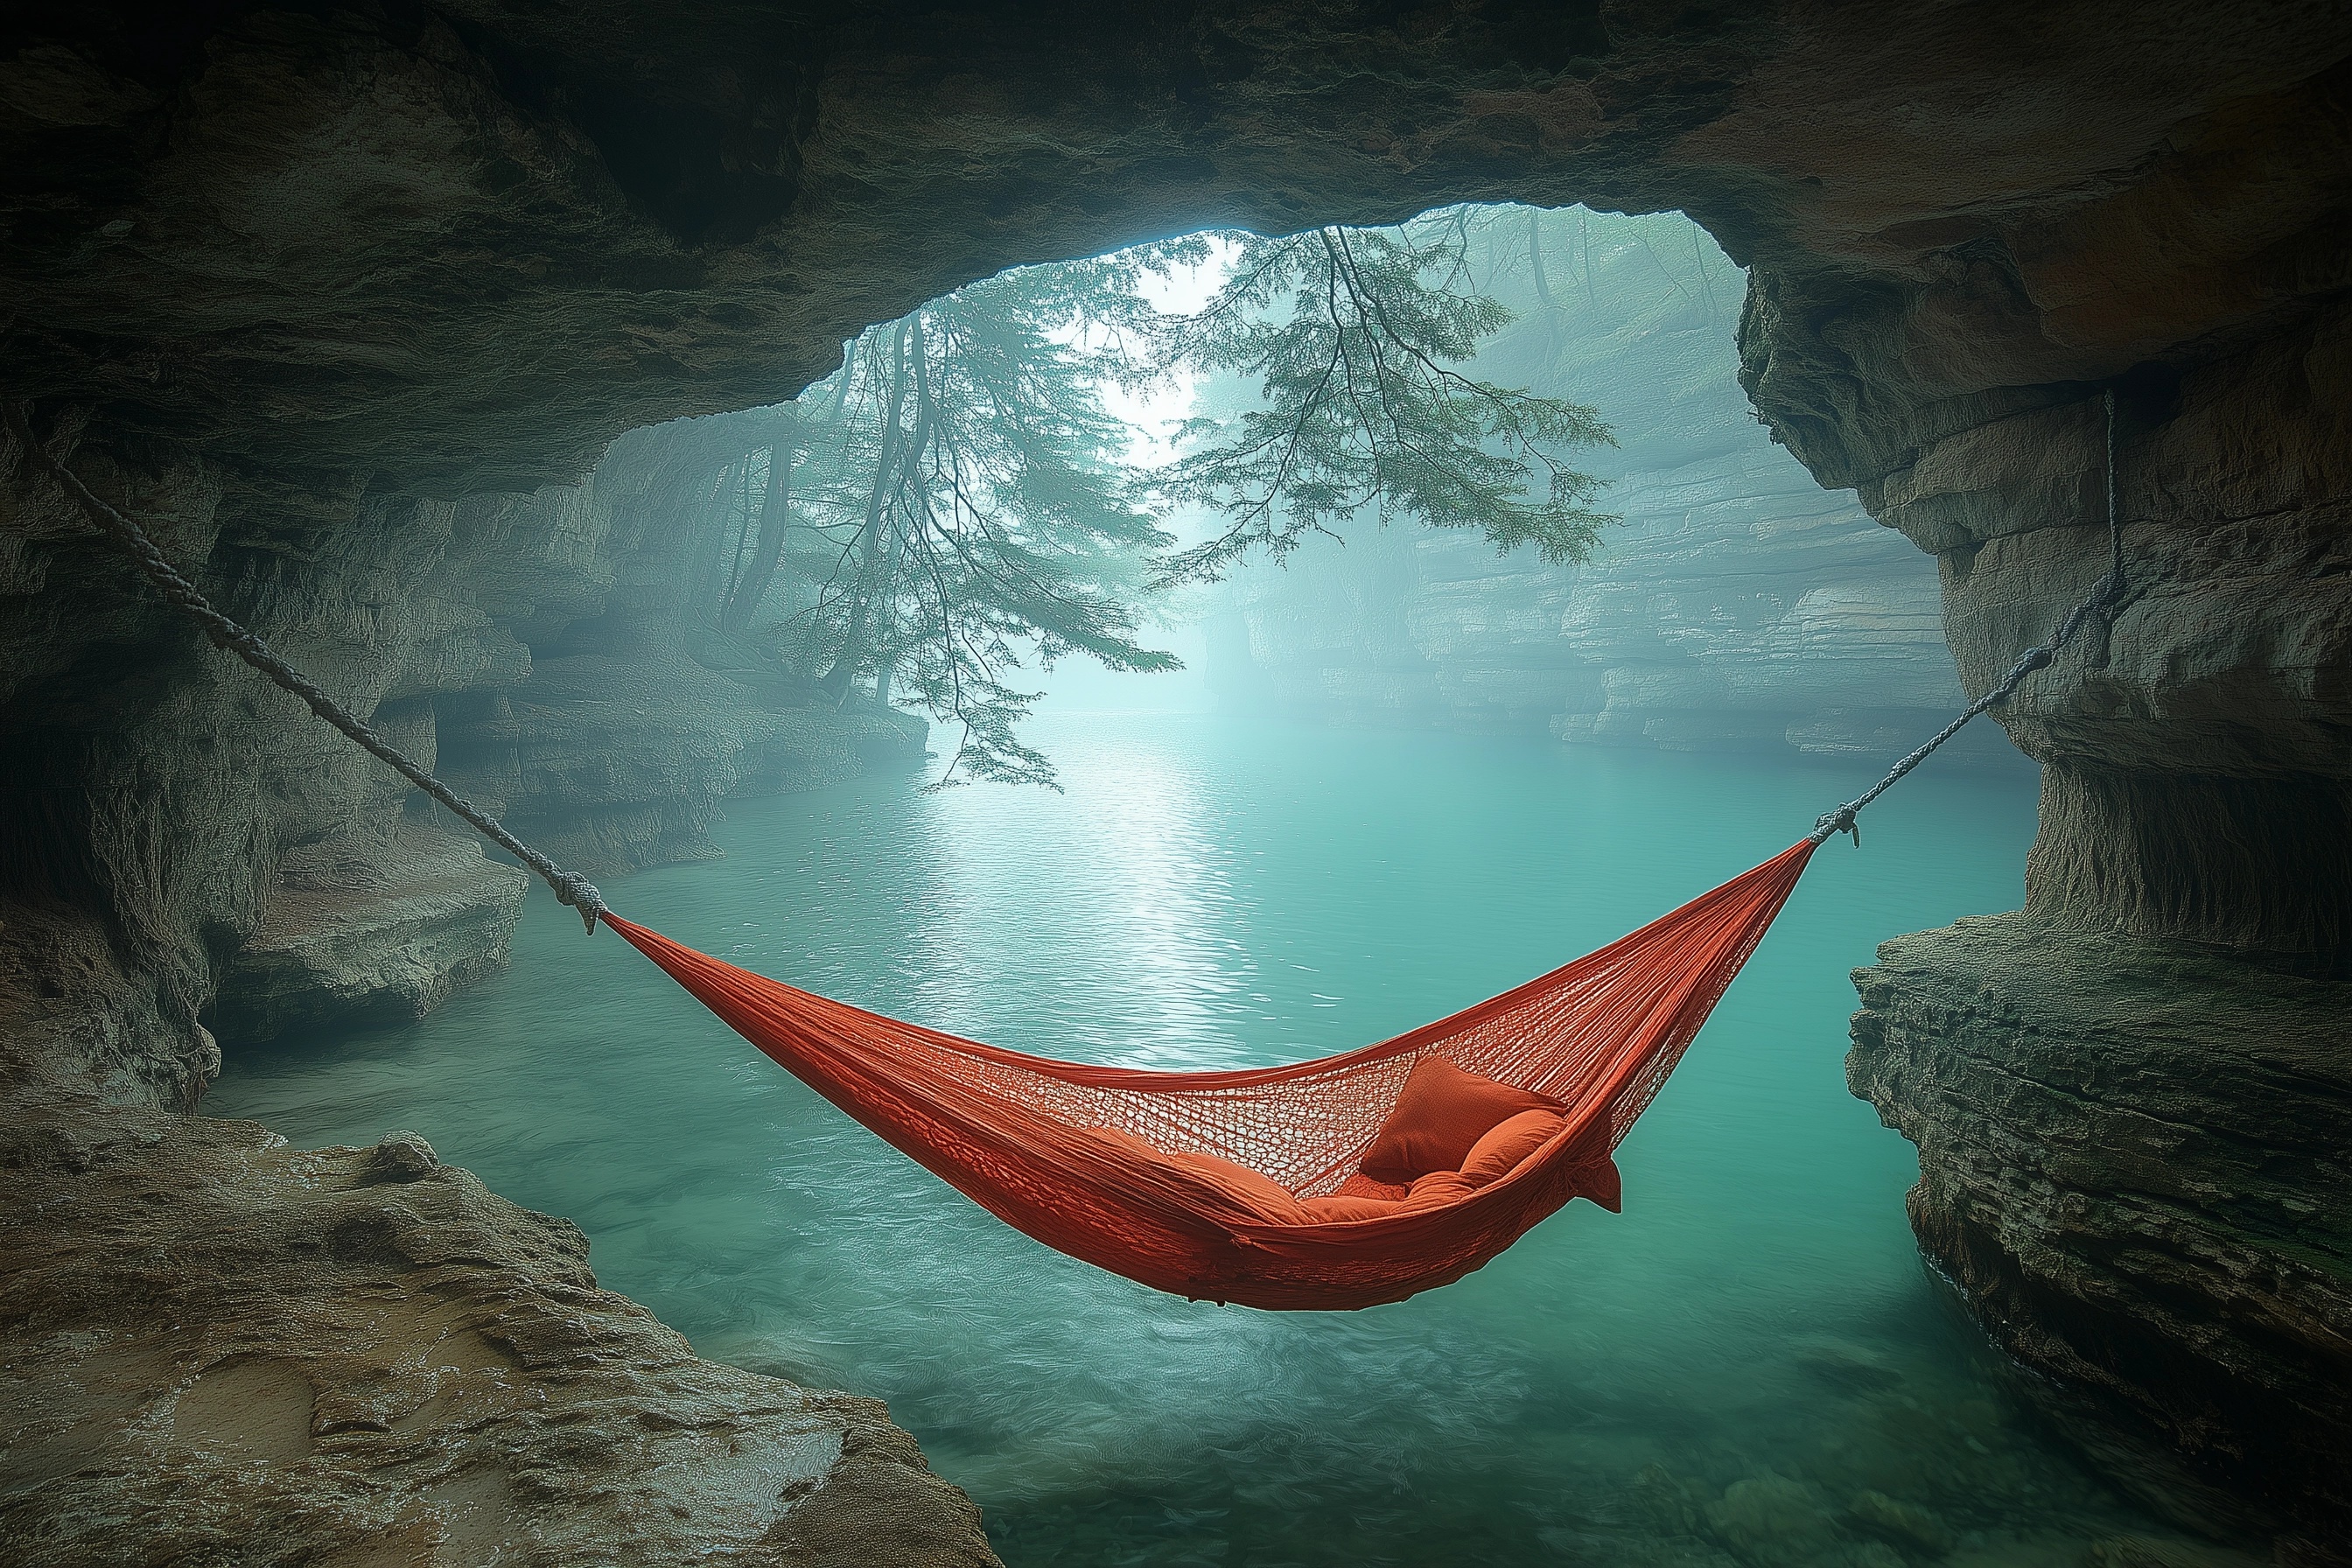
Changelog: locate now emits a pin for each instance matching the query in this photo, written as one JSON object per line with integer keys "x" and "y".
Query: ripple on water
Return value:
{"x": 1749, "y": 1366}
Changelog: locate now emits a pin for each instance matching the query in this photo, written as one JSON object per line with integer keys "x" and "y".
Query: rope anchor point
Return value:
{"x": 2101, "y": 600}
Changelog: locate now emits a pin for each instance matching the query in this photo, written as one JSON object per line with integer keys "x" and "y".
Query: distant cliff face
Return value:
{"x": 1739, "y": 605}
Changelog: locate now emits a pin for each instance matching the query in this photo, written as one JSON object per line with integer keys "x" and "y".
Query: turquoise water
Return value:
{"x": 1716, "y": 1377}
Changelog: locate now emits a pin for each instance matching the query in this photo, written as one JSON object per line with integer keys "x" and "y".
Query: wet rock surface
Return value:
{"x": 360, "y": 1356}
{"x": 358, "y": 930}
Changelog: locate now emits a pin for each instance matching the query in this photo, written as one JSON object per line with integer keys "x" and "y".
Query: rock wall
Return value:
{"x": 248, "y": 869}
{"x": 218, "y": 1347}
{"x": 1738, "y": 605}
{"x": 2132, "y": 1162}
{"x": 295, "y": 285}
{"x": 2129, "y": 1098}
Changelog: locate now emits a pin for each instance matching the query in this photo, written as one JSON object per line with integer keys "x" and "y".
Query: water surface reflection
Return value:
{"x": 1747, "y": 1367}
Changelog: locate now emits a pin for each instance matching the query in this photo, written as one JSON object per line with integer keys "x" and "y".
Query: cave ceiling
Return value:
{"x": 460, "y": 248}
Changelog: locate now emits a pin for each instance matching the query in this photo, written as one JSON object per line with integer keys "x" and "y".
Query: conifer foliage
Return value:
{"x": 1351, "y": 338}
{"x": 957, "y": 503}
{"x": 977, "y": 511}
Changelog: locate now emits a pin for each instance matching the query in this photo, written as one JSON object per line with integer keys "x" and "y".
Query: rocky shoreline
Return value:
{"x": 217, "y": 1348}
{"x": 2136, "y": 1185}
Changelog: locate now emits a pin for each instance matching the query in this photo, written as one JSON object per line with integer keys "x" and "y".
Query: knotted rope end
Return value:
{"x": 580, "y": 893}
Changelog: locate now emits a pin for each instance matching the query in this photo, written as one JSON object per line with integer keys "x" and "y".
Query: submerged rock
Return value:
{"x": 1868, "y": 1554}
{"x": 1771, "y": 1522}
{"x": 2144, "y": 1551}
{"x": 1668, "y": 1504}
{"x": 1906, "y": 1525}
{"x": 1855, "y": 1368}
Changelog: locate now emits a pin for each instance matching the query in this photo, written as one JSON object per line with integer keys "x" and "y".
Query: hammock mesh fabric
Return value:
{"x": 1009, "y": 1130}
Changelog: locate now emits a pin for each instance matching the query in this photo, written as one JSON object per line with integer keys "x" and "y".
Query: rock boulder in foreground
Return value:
{"x": 217, "y": 1349}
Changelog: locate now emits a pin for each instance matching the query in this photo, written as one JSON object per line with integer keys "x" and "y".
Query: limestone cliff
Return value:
{"x": 265, "y": 871}
{"x": 1736, "y": 607}
{"x": 2131, "y": 1160}
{"x": 2114, "y": 1092}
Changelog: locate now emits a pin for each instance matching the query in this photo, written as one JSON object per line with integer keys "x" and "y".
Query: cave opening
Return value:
{"x": 345, "y": 307}
{"x": 744, "y": 550}
{"x": 752, "y": 522}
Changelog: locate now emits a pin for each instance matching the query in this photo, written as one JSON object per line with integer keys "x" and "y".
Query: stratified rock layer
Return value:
{"x": 2133, "y": 1162}
{"x": 359, "y": 1356}
{"x": 370, "y": 930}
{"x": 610, "y": 762}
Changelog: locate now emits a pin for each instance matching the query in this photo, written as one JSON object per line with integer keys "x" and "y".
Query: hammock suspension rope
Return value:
{"x": 570, "y": 888}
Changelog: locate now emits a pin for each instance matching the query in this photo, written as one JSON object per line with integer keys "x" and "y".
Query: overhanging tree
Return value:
{"x": 1353, "y": 339}
{"x": 981, "y": 516}
{"x": 956, "y": 501}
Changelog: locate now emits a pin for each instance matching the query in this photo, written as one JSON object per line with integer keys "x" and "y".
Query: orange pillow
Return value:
{"x": 1498, "y": 1153}
{"x": 1340, "y": 1206}
{"x": 1441, "y": 1112}
{"x": 1437, "y": 1187}
{"x": 1258, "y": 1195}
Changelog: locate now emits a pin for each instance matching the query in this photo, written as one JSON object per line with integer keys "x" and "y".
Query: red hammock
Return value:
{"x": 1009, "y": 1130}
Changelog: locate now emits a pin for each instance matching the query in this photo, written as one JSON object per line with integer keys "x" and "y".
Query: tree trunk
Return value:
{"x": 1543, "y": 286}
{"x": 726, "y": 595}
{"x": 707, "y": 522}
{"x": 912, "y": 477}
{"x": 774, "y": 520}
{"x": 835, "y": 683}
{"x": 888, "y": 668}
